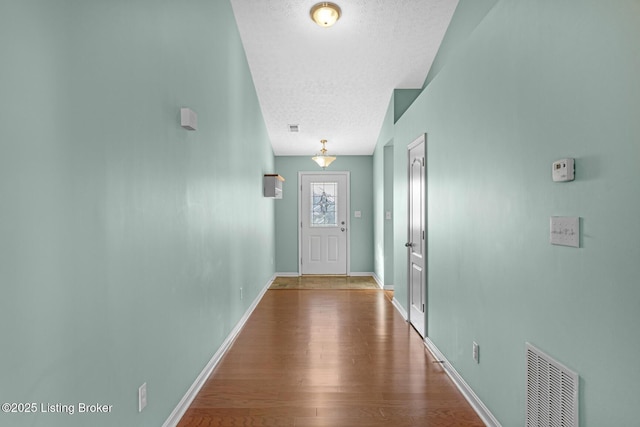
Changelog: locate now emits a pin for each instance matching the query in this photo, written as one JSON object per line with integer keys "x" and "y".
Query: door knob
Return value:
{"x": 408, "y": 245}
{"x": 342, "y": 229}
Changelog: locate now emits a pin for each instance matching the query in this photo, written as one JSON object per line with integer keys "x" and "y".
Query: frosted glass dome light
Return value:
{"x": 325, "y": 14}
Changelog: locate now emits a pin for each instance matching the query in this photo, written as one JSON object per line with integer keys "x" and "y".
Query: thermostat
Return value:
{"x": 563, "y": 170}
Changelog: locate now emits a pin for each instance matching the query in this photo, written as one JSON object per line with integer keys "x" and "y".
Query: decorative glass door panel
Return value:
{"x": 324, "y": 204}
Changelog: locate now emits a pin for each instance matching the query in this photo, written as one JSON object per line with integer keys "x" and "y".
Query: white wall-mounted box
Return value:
{"x": 563, "y": 170}
{"x": 272, "y": 186}
{"x": 188, "y": 119}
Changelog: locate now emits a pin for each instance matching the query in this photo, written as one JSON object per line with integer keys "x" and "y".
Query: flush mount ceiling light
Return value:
{"x": 322, "y": 159}
{"x": 325, "y": 14}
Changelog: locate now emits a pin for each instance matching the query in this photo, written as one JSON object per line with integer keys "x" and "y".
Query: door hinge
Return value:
{"x": 423, "y": 162}
{"x": 422, "y": 234}
{"x": 423, "y": 308}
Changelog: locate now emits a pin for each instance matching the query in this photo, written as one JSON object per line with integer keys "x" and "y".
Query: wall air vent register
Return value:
{"x": 552, "y": 392}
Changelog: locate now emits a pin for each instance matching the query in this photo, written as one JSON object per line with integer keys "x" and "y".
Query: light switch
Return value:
{"x": 388, "y": 215}
{"x": 357, "y": 214}
{"x": 565, "y": 231}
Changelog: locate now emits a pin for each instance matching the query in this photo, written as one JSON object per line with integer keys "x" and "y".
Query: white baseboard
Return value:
{"x": 289, "y": 274}
{"x": 483, "y": 412}
{"x": 380, "y": 283}
{"x": 400, "y": 309}
{"x": 185, "y": 402}
{"x": 475, "y": 402}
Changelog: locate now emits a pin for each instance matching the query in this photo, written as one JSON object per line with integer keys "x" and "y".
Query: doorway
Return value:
{"x": 416, "y": 239}
{"x": 324, "y": 222}
{"x": 388, "y": 216}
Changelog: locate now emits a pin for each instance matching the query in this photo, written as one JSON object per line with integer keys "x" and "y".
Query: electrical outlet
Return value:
{"x": 142, "y": 397}
{"x": 476, "y": 352}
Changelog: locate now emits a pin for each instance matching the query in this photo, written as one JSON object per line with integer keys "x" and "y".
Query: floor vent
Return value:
{"x": 552, "y": 392}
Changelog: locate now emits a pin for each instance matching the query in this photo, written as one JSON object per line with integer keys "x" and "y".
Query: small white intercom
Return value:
{"x": 188, "y": 119}
{"x": 563, "y": 170}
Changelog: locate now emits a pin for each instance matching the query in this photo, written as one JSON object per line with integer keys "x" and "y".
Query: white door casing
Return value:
{"x": 416, "y": 236}
{"x": 323, "y": 217}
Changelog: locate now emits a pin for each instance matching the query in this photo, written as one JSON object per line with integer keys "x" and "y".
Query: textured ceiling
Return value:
{"x": 336, "y": 83}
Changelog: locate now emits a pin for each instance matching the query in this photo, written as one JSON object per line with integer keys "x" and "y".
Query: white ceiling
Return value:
{"x": 336, "y": 83}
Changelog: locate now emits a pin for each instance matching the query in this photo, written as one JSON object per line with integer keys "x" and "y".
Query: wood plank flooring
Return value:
{"x": 316, "y": 358}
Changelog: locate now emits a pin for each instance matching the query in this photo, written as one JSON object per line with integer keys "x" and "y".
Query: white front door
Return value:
{"x": 416, "y": 243}
{"x": 324, "y": 199}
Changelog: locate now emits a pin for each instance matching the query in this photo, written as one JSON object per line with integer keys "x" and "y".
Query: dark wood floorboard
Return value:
{"x": 315, "y": 358}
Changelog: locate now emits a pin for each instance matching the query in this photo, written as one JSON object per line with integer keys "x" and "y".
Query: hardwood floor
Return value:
{"x": 312, "y": 358}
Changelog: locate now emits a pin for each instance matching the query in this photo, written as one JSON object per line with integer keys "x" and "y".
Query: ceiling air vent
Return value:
{"x": 294, "y": 128}
{"x": 552, "y": 392}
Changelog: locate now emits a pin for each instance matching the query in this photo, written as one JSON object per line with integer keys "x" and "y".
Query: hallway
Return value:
{"x": 339, "y": 358}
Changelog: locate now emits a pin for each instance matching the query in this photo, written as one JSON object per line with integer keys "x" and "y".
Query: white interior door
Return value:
{"x": 324, "y": 215}
{"x": 416, "y": 243}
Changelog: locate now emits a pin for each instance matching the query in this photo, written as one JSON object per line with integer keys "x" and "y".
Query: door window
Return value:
{"x": 324, "y": 204}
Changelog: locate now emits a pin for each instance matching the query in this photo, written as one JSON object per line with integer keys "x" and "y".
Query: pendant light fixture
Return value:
{"x": 325, "y": 14}
{"x": 322, "y": 159}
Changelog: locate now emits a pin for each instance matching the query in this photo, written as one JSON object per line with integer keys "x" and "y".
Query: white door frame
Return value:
{"x": 347, "y": 174}
{"x": 422, "y": 139}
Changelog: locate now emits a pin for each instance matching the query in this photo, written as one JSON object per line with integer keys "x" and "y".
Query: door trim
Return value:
{"x": 347, "y": 174}
{"x": 422, "y": 139}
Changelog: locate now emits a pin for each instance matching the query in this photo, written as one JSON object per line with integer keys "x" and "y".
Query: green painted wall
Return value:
{"x": 402, "y": 100}
{"x": 286, "y": 211}
{"x": 388, "y": 207}
{"x": 124, "y": 239}
{"x": 532, "y": 83}
{"x": 383, "y": 197}
{"x": 468, "y": 15}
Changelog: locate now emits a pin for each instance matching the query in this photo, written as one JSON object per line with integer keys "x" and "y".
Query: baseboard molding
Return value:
{"x": 185, "y": 402}
{"x": 475, "y": 402}
{"x": 378, "y": 280}
{"x": 361, "y": 274}
{"x": 400, "y": 309}
{"x": 289, "y": 274}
